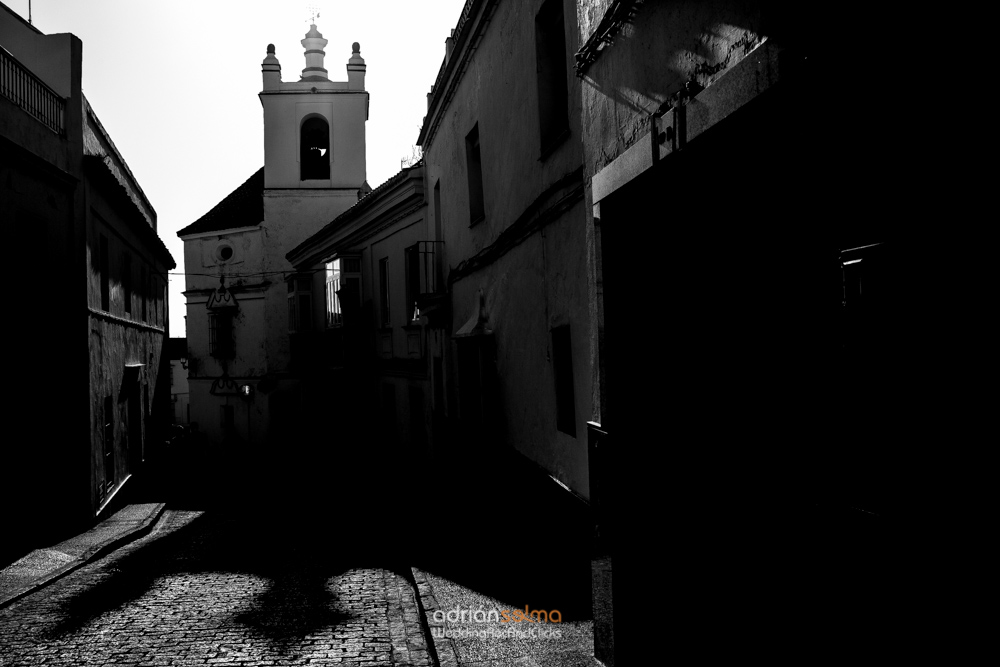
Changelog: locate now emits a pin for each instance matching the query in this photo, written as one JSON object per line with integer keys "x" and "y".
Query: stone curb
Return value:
{"x": 88, "y": 555}
{"x": 442, "y": 648}
{"x": 409, "y": 642}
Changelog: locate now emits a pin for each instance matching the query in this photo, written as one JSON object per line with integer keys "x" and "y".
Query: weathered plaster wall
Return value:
{"x": 250, "y": 355}
{"x": 589, "y": 14}
{"x": 542, "y": 281}
{"x": 291, "y": 216}
{"x": 244, "y": 276}
{"x": 103, "y": 219}
{"x": 114, "y": 345}
{"x": 539, "y": 285}
{"x": 204, "y": 267}
{"x": 499, "y": 92}
{"x": 118, "y": 339}
{"x": 668, "y": 44}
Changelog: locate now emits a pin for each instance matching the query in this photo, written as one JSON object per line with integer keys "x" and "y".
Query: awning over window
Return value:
{"x": 478, "y": 324}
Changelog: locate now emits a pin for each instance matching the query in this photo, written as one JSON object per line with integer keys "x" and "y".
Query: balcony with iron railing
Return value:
{"x": 23, "y": 88}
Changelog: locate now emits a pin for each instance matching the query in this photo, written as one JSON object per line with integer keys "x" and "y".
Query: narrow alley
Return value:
{"x": 473, "y": 333}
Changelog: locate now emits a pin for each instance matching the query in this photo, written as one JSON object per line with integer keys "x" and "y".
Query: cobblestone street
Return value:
{"x": 215, "y": 587}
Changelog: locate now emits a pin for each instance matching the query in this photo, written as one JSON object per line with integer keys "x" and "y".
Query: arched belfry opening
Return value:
{"x": 314, "y": 152}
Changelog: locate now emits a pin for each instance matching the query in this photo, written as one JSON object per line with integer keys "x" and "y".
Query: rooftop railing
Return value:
{"x": 20, "y": 86}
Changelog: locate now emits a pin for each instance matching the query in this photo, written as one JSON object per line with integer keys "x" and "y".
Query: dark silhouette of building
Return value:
{"x": 84, "y": 239}
{"x": 754, "y": 402}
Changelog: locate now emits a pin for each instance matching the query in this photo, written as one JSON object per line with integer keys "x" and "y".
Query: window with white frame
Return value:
{"x": 334, "y": 315}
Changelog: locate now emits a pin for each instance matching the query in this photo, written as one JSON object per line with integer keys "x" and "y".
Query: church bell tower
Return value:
{"x": 314, "y": 128}
{"x": 314, "y": 170}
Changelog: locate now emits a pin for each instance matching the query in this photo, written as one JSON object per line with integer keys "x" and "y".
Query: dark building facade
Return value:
{"x": 730, "y": 175}
{"x": 83, "y": 231}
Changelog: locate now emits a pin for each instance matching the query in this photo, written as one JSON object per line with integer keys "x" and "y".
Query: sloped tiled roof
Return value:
{"x": 243, "y": 207}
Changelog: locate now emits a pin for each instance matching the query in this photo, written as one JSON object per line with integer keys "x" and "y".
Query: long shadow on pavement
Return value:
{"x": 292, "y": 527}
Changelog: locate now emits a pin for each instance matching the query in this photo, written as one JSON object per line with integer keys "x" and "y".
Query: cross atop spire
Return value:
{"x": 313, "y": 13}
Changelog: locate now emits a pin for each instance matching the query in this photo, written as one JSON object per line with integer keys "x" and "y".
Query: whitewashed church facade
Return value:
{"x": 240, "y": 293}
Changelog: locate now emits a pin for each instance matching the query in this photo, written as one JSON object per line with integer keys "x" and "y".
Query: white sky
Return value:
{"x": 175, "y": 84}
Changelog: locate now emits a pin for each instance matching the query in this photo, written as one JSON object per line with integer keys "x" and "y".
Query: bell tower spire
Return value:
{"x": 314, "y": 44}
{"x": 314, "y": 129}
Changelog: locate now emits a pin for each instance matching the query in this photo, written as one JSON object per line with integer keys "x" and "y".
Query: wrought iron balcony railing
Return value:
{"x": 20, "y": 86}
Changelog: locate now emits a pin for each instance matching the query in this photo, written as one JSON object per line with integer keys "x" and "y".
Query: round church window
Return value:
{"x": 224, "y": 253}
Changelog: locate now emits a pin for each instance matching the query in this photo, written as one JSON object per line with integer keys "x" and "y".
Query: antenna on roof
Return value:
{"x": 29, "y": 12}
